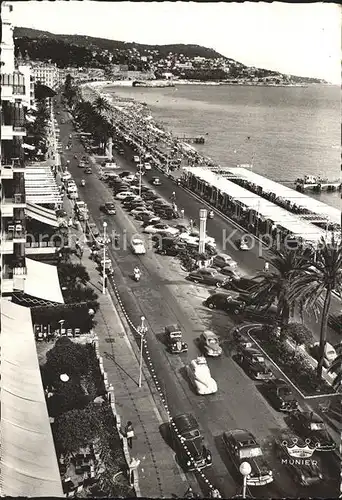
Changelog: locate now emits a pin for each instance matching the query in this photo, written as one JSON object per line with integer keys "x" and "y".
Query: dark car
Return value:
{"x": 168, "y": 246}
{"x": 254, "y": 363}
{"x": 265, "y": 315}
{"x": 304, "y": 467}
{"x": 208, "y": 276}
{"x": 88, "y": 170}
{"x": 143, "y": 215}
{"x": 311, "y": 426}
{"x": 188, "y": 438}
{"x": 121, "y": 187}
{"x": 125, "y": 173}
{"x": 108, "y": 208}
{"x": 242, "y": 446}
{"x": 150, "y": 195}
{"x": 174, "y": 339}
{"x": 225, "y": 302}
{"x": 155, "y": 181}
{"x": 280, "y": 395}
{"x": 242, "y": 285}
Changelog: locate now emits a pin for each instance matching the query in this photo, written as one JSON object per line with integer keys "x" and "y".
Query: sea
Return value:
{"x": 285, "y": 132}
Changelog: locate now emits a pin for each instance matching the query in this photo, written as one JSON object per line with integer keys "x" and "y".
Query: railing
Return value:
{"x": 43, "y": 244}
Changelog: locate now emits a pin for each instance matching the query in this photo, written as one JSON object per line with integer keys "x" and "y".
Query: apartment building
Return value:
{"x": 46, "y": 74}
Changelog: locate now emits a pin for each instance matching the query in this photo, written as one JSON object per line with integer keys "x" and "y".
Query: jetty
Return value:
{"x": 317, "y": 185}
{"x": 191, "y": 140}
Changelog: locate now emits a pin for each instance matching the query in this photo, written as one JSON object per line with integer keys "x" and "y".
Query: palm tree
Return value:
{"x": 317, "y": 280}
{"x": 100, "y": 105}
{"x": 274, "y": 284}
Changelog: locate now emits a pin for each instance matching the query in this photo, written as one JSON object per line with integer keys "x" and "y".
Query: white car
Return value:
{"x": 123, "y": 195}
{"x": 138, "y": 247}
{"x": 66, "y": 176}
{"x": 193, "y": 239}
{"x": 129, "y": 178}
{"x": 147, "y": 166}
{"x": 138, "y": 210}
{"x": 224, "y": 260}
{"x": 243, "y": 245}
{"x": 160, "y": 227}
{"x": 200, "y": 376}
{"x": 136, "y": 159}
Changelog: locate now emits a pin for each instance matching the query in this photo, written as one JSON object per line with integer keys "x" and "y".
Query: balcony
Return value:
{"x": 9, "y": 203}
{"x": 8, "y": 276}
{"x": 8, "y": 167}
{"x": 42, "y": 247}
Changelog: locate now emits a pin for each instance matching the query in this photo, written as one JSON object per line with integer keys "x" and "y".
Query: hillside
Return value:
{"x": 185, "y": 61}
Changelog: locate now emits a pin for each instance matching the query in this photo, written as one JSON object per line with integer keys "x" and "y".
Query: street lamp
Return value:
{"x": 61, "y": 322}
{"x": 140, "y": 174}
{"x": 245, "y": 470}
{"x": 202, "y": 232}
{"x": 142, "y": 329}
{"x": 104, "y": 258}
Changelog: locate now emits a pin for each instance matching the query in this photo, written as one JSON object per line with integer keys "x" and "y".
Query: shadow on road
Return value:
{"x": 112, "y": 358}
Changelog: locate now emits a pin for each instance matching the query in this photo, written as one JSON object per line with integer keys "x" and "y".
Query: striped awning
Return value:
{"x": 40, "y": 185}
{"x": 41, "y": 214}
{"x": 28, "y": 460}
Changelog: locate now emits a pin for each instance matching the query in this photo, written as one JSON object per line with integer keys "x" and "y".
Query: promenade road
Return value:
{"x": 163, "y": 297}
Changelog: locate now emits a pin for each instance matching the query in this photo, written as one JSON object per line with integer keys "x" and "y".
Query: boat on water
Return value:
{"x": 153, "y": 83}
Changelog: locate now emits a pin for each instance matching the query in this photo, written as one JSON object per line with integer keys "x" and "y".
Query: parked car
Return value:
{"x": 108, "y": 208}
{"x": 304, "y": 472}
{"x": 225, "y": 302}
{"x": 254, "y": 363}
{"x": 280, "y": 395}
{"x": 244, "y": 244}
{"x": 210, "y": 344}
{"x": 155, "y": 181}
{"x": 157, "y": 228}
{"x": 311, "y": 426}
{"x": 139, "y": 209}
{"x": 199, "y": 374}
{"x": 265, "y": 315}
{"x": 65, "y": 176}
{"x": 136, "y": 159}
{"x": 123, "y": 195}
{"x": 243, "y": 285}
{"x": 185, "y": 431}
{"x": 81, "y": 164}
{"x": 193, "y": 239}
{"x": 138, "y": 246}
{"x": 147, "y": 166}
{"x": 150, "y": 195}
{"x": 168, "y": 246}
{"x": 231, "y": 272}
{"x": 151, "y": 221}
{"x": 223, "y": 260}
{"x": 174, "y": 339}
{"x": 242, "y": 446}
{"x": 330, "y": 353}
{"x": 88, "y": 170}
{"x": 208, "y": 276}
{"x": 125, "y": 173}
{"x": 144, "y": 215}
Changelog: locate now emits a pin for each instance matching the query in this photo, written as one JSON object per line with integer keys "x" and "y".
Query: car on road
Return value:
{"x": 254, "y": 363}
{"x": 308, "y": 469}
{"x": 136, "y": 159}
{"x": 200, "y": 377}
{"x": 208, "y": 276}
{"x": 147, "y": 166}
{"x": 123, "y": 195}
{"x": 124, "y": 173}
{"x": 157, "y": 228}
{"x": 65, "y": 176}
{"x": 225, "y": 302}
{"x": 155, "y": 181}
{"x": 309, "y": 425}
{"x": 174, "y": 339}
{"x": 223, "y": 260}
{"x": 88, "y": 170}
{"x": 242, "y": 446}
{"x": 280, "y": 395}
{"x": 138, "y": 246}
{"x": 187, "y": 437}
{"x": 81, "y": 164}
{"x": 168, "y": 246}
{"x": 210, "y": 344}
{"x": 108, "y": 208}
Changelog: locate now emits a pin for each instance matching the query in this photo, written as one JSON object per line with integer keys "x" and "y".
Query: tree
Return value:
{"x": 76, "y": 428}
{"x": 67, "y": 357}
{"x": 80, "y": 293}
{"x": 274, "y": 284}
{"x": 316, "y": 280}
{"x": 71, "y": 275}
{"x": 100, "y": 105}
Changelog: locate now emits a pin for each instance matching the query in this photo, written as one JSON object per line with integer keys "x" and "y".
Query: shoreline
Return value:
{"x": 174, "y": 83}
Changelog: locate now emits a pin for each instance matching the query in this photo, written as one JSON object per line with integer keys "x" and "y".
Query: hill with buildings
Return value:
{"x": 191, "y": 62}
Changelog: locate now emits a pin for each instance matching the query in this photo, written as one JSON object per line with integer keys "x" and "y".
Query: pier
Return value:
{"x": 317, "y": 187}
{"x": 191, "y": 140}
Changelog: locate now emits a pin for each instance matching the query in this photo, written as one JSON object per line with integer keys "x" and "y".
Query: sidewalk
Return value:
{"x": 159, "y": 475}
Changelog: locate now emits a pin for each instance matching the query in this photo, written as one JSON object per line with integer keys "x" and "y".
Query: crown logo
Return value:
{"x": 305, "y": 450}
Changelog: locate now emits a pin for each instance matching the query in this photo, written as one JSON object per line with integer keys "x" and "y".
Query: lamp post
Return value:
{"x": 61, "y": 322}
{"x": 203, "y": 223}
{"x": 140, "y": 174}
{"x": 245, "y": 470}
{"x": 142, "y": 329}
{"x": 104, "y": 258}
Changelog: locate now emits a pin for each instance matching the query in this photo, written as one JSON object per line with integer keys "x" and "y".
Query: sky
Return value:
{"x": 302, "y": 39}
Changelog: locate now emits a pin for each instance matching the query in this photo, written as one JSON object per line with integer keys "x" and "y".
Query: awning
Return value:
{"x": 28, "y": 458}
{"x": 41, "y": 214}
{"x": 28, "y": 146}
{"x": 40, "y": 185}
{"x": 42, "y": 281}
